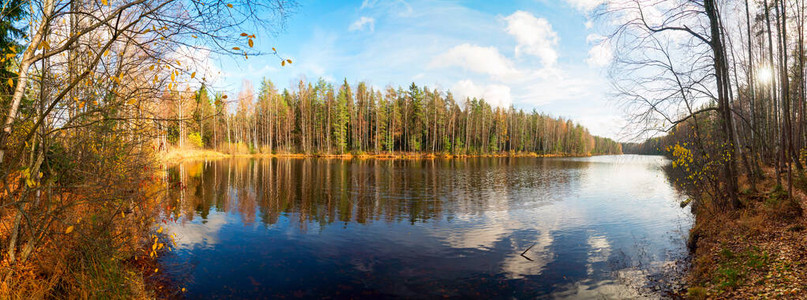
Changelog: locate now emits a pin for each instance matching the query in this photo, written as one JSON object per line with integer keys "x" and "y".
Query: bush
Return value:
{"x": 778, "y": 204}
{"x": 697, "y": 293}
{"x": 234, "y": 148}
{"x": 195, "y": 139}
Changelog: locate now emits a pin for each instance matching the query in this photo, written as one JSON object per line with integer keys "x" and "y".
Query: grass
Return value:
{"x": 697, "y": 293}
{"x": 175, "y": 154}
{"x": 776, "y": 196}
{"x": 733, "y": 267}
{"x": 727, "y": 277}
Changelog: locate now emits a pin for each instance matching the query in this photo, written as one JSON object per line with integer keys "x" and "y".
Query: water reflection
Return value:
{"x": 422, "y": 228}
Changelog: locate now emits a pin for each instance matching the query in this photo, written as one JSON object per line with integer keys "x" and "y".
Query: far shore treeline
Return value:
{"x": 650, "y": 146}
{"x": 320, "y": 118}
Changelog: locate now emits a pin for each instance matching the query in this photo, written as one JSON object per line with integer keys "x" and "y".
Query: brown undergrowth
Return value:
{"x": 99, "y": 241}
{"x": 757, "y": 252}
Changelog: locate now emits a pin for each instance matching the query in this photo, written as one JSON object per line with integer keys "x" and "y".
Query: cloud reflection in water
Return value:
{"x": 383, "y": 228}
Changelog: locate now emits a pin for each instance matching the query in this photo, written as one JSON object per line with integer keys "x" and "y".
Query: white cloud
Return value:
{"x": 368, "y": 4}
{"x": 585, "y": 6}
{"x": 600, "y": 54}
{"x": 534, "y": 36}
{"x": 484, "y": 60}
{"x": 494, "y": 94}
{"x": 362, "y": 24}
{"x": 199, "y": 60}
{"x": 570, "y": 90}
{"x": 425, "y": 49}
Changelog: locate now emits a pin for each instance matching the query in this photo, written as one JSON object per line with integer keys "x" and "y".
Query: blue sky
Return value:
{"x": 533, "y": 54}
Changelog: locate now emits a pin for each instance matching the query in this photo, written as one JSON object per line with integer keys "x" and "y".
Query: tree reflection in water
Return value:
{"x": 408, "y": 228}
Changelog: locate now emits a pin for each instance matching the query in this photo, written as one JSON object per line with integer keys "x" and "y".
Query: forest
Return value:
{"x": 719, "y": 86}
{"x": 754, "y": 118}
{"x": 322, "y": 119}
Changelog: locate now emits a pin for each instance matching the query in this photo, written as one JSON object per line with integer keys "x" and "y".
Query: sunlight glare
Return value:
{"x": 764, "y": 74}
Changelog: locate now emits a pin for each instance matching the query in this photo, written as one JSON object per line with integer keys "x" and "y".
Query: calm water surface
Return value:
{"x": 596, "y": 227}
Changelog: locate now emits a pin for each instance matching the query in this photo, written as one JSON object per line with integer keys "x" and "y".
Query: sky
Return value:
{"x": 545, "y": 55}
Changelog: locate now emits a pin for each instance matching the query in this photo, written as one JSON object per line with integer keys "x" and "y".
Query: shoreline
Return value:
{"x": 753, "y": 252}
{"x": 181, "y": 155}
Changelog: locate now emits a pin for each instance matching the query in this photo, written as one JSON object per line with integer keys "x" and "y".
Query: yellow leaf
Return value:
{"x": 273, "y": 49}
{"x": 106, "y": 53}
{"x": 155, "y": 270}
{"x": 183, "y": 289}
{"x": 193, "y": 75}
{"x": 11, "y": 82}
{"x": 283, "y": 63}
{"x": 250, "y": 43}
{"x": 160, "y": 230}
{"x": 173, "y": 76}
{"x": 193, "y": 36}
{"x": 105, "y": 2}
{"x": 236, "y": 48}
{"x": 244, "y": 34}
{"x": 288, "y": 60}
{"x": 151, "y": 67}
{"x": 69, "y": 229}
{"x": 229, "y": 5}
{"x": 122, "y": 215}
{"x": 131, "y": 102}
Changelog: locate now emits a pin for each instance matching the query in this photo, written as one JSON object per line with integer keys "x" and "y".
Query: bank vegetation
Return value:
{"x": 719, "y": 87}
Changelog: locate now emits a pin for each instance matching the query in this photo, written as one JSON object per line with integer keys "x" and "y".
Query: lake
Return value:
{"x": 593, "y": 227}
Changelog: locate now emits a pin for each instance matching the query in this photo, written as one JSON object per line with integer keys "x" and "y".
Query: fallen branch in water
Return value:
{"x": 525, "y": 251}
